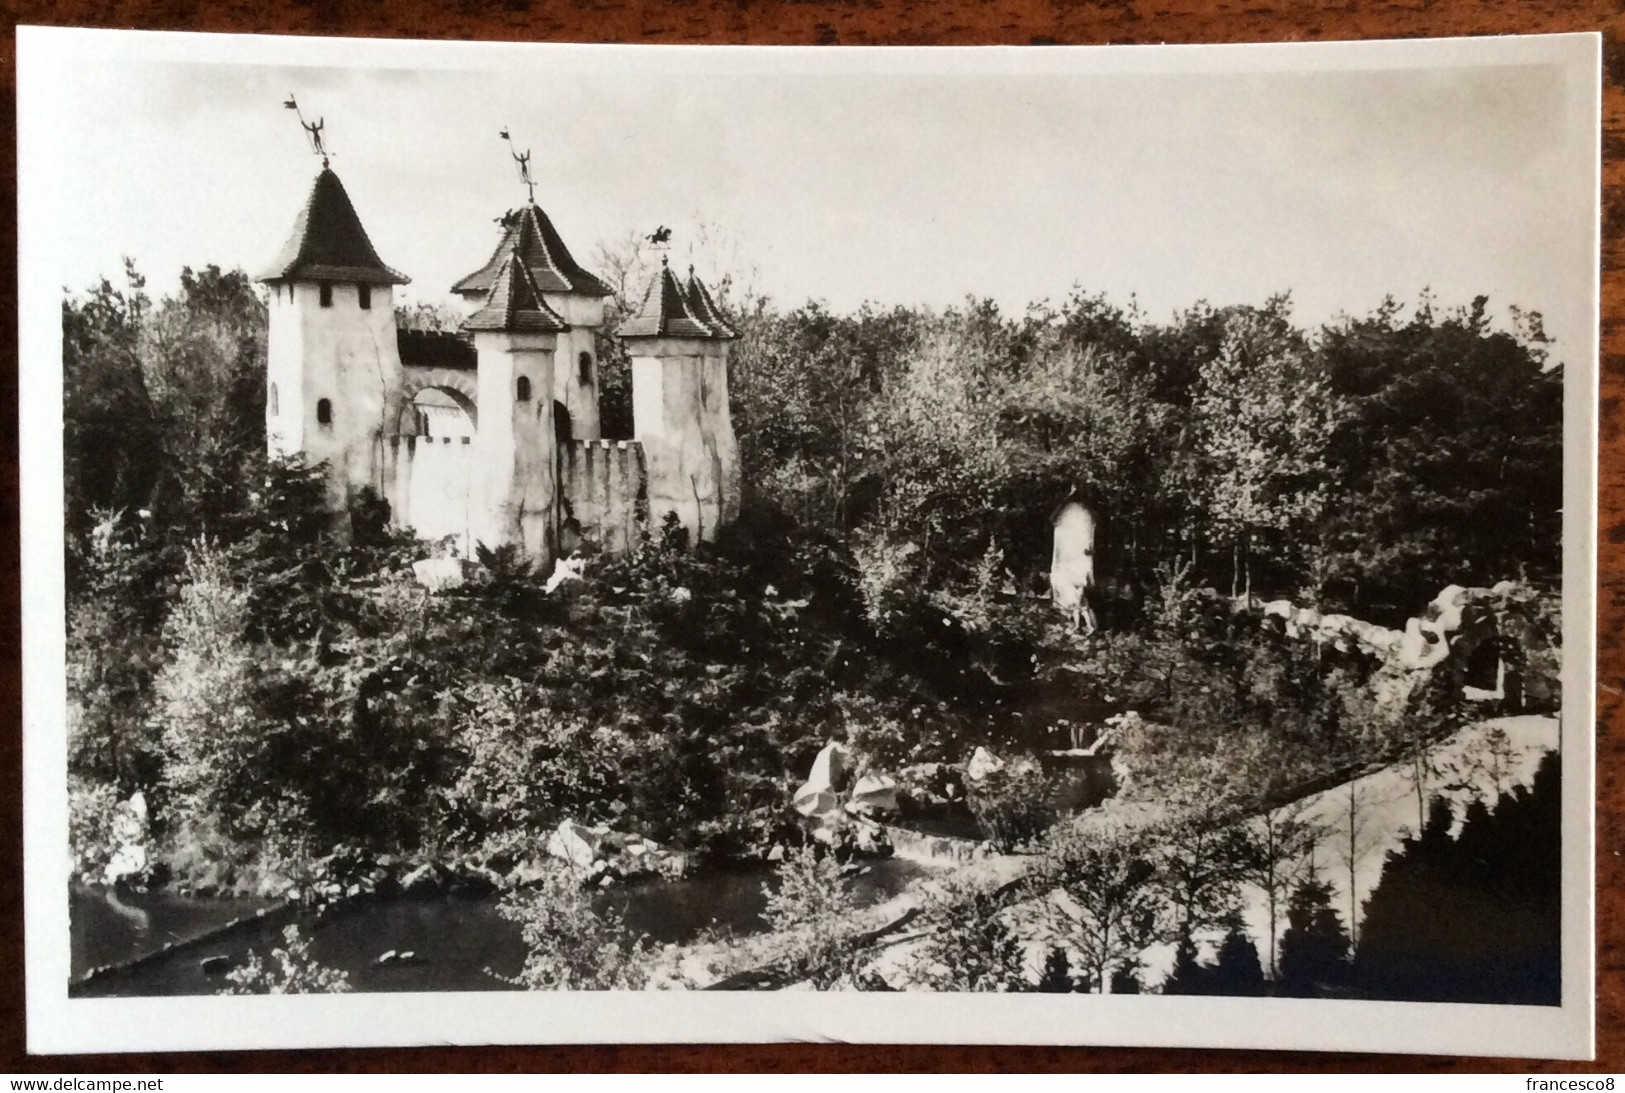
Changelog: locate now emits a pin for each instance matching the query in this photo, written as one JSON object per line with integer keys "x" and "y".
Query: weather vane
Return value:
{"x": 523, "y": 162}
{"x": 660, "y": 240}
{"x": 313, "y": 130}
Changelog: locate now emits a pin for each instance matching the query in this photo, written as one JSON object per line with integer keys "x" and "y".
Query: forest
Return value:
{"x": 296, "y": 712}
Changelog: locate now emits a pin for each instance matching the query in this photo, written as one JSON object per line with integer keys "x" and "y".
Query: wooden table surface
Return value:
{"x": 861, "y": 22}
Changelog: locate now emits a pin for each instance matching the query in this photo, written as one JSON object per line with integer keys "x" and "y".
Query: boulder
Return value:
{"x": 982, "y": 763}
{"x": 820, "y": 794}
{"x": 128, "y": 863}
{"x": 873, "y": 793}
{"x": 444, "y": 574}
{"x": 526, "y": 872}
{"x": 565, "y": 569}
{"x": 426, "y": 879}
{"x": 575, "y": 843}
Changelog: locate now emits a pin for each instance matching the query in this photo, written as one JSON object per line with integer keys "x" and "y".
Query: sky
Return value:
{"x": 861, "y": 178}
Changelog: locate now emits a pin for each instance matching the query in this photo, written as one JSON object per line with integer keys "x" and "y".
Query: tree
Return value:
{"x": 1354, "y": 843}
{"x": 203, "y": 701}
{"x": 112, "y": 447}
{"x": 970, "y": 945}
{"x": 1057, "y": 978}
{"x": 1315, "y": 948}
{"x": 1188, "y": 975}
{"x": 1283, "y": 835}
{"x": 1449, "y": 461}
{"x": 1111, "y": 906}
{"x": 1237, "y": 970}
{"x": 1264, "y": 414}
{"x": 1201, "y": 865}
{"x": 1477, "y": 917}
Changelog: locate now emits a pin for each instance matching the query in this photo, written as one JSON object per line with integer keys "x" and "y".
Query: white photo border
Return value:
{"x": 58, "y": 1024}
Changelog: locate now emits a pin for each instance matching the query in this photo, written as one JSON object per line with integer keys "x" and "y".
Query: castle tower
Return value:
{"x": 516, "y": 487}
{"x": 678, "y": 342}
{"x": 569, "y": 291}
{"x": 334, "y": 372}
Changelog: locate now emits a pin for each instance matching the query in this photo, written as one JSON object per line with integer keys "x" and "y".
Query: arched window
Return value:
{"x": 584, "y": 365}
{"x": 524, "y": 389}
{"x": 276, "y": 406}
{"x": 364, "y": 294}
{"x": 326, "y": 294}
{"x": 324, "y": 412}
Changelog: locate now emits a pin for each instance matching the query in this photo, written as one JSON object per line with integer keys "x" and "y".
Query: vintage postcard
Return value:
{"x": 534, "y": 543}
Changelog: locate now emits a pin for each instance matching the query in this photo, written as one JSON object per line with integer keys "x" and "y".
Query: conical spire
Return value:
{"x": 668, "y": 312}
{"x": 705, "y": 309}
{"x": 515, "y": 305}
{"x": 531, "y": 235}
{"x": 329, "y": 244}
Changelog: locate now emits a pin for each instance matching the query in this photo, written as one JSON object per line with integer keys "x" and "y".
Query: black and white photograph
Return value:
{"x": 535, "y": 543}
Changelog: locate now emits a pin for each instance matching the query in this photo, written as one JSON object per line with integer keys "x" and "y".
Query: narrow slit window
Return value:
{"x": 276, "y": 406}
{"x": 524, "y": 389}
{"x": 364, "y": 294}
{"x": 584, "y": 365}
{"x": 326, "y": 293}
{"x": 324, "y": 411}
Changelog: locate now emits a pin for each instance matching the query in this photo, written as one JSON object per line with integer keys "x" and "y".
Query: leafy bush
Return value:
{"x": 570, "y": 945}
{"x": 968, "y": 945}
{"x": 1012, "y": 805}
{"x": 811, "y": 909}
{"x": 290, "y": 970}
{"x": 90, "y": 826}
{"x": 521, "y": 766}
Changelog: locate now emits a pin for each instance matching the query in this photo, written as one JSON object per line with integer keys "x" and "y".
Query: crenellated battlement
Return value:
{"x": 605, "y": 484}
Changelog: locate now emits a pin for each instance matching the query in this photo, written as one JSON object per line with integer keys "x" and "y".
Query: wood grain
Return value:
{"x": 860, "y": 22}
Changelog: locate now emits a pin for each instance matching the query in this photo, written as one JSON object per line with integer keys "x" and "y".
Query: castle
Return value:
{"x": 491, "y": 434}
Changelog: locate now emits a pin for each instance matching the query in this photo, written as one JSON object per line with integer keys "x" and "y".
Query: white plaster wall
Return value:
{"x": 680, "y": 415}
{"x": 585, "y": 314}
{"x": 347, "y": 355}
{"x": 515, "y": 486}
{"x": 440, "y": 496}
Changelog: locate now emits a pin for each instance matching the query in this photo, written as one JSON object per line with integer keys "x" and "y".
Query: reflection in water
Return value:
{"x": 139, "y": 920}
{"x": 459, "y": 942}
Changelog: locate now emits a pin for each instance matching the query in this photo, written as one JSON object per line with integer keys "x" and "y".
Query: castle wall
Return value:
{"x": 603, "y": 482}
{"x": 346, "y": 355}
{"x": 585, "y": 314}
{"x": 680, "y": 415}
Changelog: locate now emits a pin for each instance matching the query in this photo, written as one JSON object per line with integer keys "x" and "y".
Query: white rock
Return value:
{"x": 129, "y": 860}
{"x": 820, "y": 793}
{"x": 873, "y": 793}
{"x": 442, "y": 574}
{"x": 575, "y": 843}
{"x": 982, "y": 763}
{"x": 565, "y": 569}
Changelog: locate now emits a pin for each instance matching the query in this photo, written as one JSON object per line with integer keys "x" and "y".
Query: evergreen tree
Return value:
{"x": 1474, "y": 918}
{"x": 1237, "y": 970}
{"x": 1315, "y": 947}
{"x": 1189, "y": 975}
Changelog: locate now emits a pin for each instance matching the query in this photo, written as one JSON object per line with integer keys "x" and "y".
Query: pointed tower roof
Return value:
{"x": 668, "y": 312}
{"x": 328, "y": 242}
{"x": 532, "y": 236}
{"x": 515, "y": 305}
{"x": 705, "y": 309}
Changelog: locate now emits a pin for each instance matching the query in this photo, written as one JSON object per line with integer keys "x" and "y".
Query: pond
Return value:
{"x": 460, "y": 942}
